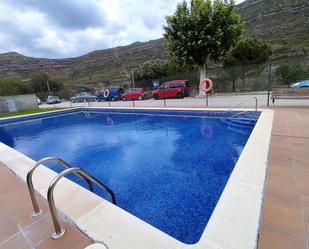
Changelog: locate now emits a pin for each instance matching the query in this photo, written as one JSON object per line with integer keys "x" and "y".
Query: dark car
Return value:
{"x": 83, "y": 97}
{"x": 172, "y": 89}
{"x": 110, "y": 94}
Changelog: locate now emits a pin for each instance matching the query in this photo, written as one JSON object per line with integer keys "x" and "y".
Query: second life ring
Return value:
{"x": 203, "y": 84}
{"x": 106, "y": 93}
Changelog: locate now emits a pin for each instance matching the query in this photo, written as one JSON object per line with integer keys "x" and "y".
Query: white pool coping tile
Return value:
{"x": 233, "y": 225}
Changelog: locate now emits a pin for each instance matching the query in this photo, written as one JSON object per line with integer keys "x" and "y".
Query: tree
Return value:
{"x": 203, "y": 32}
{"x": 288, "y": 73}
{"x": 152, "y": 69}
{"x": 247, "y": 51}
{"x": 41, "y": 81}
{"x": 13, "y": 86}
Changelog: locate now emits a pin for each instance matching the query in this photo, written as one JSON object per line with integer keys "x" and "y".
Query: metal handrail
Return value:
{"x": 37, "y": 210}
{"x": 256, "y": 103}
{"x": 59, "y": 231}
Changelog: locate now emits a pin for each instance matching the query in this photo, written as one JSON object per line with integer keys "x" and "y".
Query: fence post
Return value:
{"x": 269, "y": 83}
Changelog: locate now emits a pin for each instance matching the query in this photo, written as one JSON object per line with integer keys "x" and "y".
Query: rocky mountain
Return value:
{"x": 284, "y": 23}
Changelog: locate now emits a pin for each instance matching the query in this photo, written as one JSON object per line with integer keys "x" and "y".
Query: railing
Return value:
{"x": 37, "y": 210}
{"x": 59, "y": 231}
{"x": 239, "y": 104}
{"x": 246, "y": 100}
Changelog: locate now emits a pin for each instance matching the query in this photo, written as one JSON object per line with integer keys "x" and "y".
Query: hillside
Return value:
{"x": 113, "y": 65}
{"x": 282, "y": 22}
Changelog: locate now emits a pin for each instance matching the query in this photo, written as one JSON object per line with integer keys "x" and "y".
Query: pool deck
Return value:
{"x": 18, "y": 230}
{"x": 285, "y": 210}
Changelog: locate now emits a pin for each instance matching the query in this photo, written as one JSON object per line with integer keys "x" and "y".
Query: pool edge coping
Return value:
{"x": 216, "y": 234}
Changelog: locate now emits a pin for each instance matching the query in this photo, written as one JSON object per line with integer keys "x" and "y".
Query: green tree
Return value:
{"x": 13, "y": 86}
{"x": 288, "y": 73}
{"x": 152, "y": 69}
{"x": 203, "y": 32}
{"x": 41, "y": 81}
{"x": 247, "y": 51}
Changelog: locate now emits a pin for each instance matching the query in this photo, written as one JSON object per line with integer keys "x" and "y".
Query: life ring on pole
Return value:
{"x": 205, "y": 82}
{"x": 105, "y": 93}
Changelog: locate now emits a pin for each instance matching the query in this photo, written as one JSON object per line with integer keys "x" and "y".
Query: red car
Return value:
{"x": 133, "y": 94}
{"x": 172, "y": 89}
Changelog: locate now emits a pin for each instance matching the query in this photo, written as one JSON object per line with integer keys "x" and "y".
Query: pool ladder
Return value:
{"x": 59, "y": 231}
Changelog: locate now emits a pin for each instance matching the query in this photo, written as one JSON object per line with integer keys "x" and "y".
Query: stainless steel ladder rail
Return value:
{"x": 246, "y": 100}
{"x": 59, "y": 231}
{"x": 37, "y": 210}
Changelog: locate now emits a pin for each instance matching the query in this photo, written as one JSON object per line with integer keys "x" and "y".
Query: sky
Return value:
{"x": 70, "y": 28}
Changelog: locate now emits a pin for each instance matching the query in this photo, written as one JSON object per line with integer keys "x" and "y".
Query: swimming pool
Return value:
{"x": 168, "y": 168}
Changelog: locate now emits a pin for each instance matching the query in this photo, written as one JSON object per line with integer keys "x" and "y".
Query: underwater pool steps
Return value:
{"x": 77, "y": 171}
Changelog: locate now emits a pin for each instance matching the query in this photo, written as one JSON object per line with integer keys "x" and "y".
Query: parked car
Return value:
{"x": 110, "y": 94}
{"x": 38, "y": 101}
{"x": 172, "y": 89}
{"x": 301, "y": 84}
{"x": 83, "y": 97}
{"x": 133, "y": 94}
{"x": 53, "y": 100}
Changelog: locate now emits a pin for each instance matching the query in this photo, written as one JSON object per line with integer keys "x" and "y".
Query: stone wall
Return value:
{"x": 17, "y": 102}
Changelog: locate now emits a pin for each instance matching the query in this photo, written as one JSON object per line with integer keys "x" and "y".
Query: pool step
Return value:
{"x": 239, "y": 129}
{"x": 239, "y": 125}
{"x": 242, "y": 121}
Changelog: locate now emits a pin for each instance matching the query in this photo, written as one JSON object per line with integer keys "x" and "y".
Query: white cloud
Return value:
{"x": 74, "y": 27}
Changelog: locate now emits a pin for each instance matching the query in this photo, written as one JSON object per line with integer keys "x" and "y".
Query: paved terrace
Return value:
{"x": 285, "y": 212}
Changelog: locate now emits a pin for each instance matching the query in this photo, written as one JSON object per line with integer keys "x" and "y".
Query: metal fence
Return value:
{"x": 228, "y": 81}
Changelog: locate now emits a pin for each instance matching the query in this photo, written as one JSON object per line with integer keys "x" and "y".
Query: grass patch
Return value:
{"x": 29, "y": 111}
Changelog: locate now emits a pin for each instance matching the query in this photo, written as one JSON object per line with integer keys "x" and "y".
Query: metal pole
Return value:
{"x": 59, "y": 231}
{"x": 206, "y": 99}
{"x": 48, "y": 87}
{"x": 269, "y": 84}
{"x": 133, "y": 85}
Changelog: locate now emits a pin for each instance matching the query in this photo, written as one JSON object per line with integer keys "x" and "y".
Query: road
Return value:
{"x": 213, "y": 101}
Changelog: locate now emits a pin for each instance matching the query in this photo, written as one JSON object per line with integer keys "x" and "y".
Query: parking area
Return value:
{"x": 224, "y": 100}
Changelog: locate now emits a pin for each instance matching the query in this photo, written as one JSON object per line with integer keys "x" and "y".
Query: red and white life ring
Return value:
{"x": 205, "y": 82}
{"x": 106, "y": 93}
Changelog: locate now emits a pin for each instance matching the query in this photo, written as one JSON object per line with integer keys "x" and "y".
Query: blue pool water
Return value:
{"x": 168, "y": 168}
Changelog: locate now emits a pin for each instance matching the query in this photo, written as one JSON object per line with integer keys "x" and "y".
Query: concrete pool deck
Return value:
{"x": 285, "y": 207}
